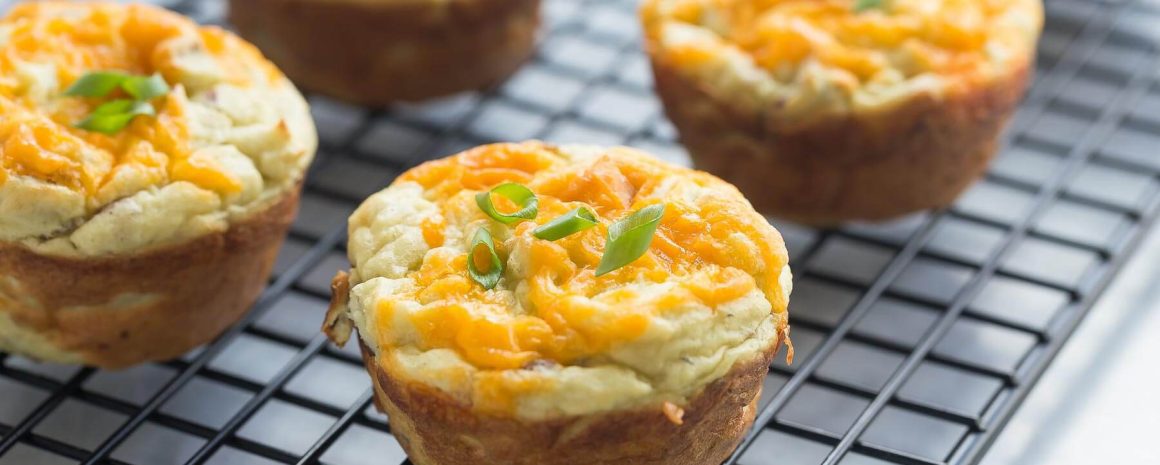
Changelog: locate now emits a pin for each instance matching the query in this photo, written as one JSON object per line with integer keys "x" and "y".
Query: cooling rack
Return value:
{"x": 916, "y": 340}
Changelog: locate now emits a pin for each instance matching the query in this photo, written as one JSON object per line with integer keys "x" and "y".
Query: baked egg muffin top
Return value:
{"x": 560, "y": 332}
{"x": 223, "y": 135}
{"x": 818, "y": 56}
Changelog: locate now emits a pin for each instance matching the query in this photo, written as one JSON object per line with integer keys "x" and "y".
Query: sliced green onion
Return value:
{"x": 145, "y": 87}
{"x": 629, "y": 238}
{"x": 566, "y": 225}
{"x": 96, "y": 84}
{"x": 112, "y": 117}
{"x": 495, "y": 267}
{"x": 522, "y": 196}
{"x": 103, "y": 83}
{"x": 863, "y": 5}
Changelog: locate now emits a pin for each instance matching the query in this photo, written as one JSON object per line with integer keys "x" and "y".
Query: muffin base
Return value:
{"x": 434, "y": 430}
{"x": 917, "y": 155}
{"x": 117, "y": 311}
{"x": 376, "y": 53}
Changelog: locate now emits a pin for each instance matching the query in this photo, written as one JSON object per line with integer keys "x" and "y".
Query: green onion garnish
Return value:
{"x": 566, "y": 225}
{"x": 629, "y": 238}
{"x": 103, "y": 83}
{"x": 114, "y": 116}
{"x": 522, "y": 196}
{"x": 494, "y": 266}
{"x": 96, "y": 84}
{"x": 145, "y": 87}
{"x": 863, "y": 5}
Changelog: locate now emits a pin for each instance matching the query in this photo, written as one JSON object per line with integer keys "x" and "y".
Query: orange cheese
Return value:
{"x": 712, "y": 251}
{"x": 38, "y": 138}
{"x": 946, "y": 37}
{"x": 433, "y": 231}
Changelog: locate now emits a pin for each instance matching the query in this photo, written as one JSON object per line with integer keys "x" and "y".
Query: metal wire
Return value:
{"x": 1079, "y": 154}
{"x": 578, "y": 27}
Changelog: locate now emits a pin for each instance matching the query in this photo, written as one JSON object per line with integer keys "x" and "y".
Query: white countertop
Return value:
{"x": 1099, "y": 402}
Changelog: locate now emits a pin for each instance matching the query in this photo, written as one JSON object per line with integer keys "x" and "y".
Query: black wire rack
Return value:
{"x": 916, "y": 340}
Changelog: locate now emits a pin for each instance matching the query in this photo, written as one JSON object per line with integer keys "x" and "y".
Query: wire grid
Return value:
{"x": 916, "y": 340}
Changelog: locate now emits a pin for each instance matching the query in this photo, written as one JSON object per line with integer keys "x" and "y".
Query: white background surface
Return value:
{"x": 1099, "y": 402}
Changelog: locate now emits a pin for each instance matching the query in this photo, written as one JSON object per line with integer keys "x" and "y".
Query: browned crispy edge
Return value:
{"x": 436, "y": 430}
{"x": 920, "y": 154}
{"x": 204, "y": 285}
{"x": 376, "y": 53}
{"x": 337, "y": 324}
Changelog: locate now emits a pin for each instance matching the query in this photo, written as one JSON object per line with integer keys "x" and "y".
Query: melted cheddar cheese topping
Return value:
{"x": 409, "y": 247}
{"x": 826, "y": 48}
{"x": 231, "y": 126}
{"x": 39, "y": 138}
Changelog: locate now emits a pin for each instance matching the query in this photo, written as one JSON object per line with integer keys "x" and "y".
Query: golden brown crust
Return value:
{"x": 187, "y": 294}
{"x": 434, "y": 430}
{"x": 920, "y": 154}
{"x": 337, "y": 325}
{"x": 376, "y": 53}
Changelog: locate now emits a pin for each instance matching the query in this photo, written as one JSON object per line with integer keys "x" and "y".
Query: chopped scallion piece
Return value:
{"x": 482, "y": 255}
{"x": 111, "y": 117}
{"x": 519, "y": 194}
{"x": 629, "y": 238}
{"x": 96, "y": 84}
{"x": 863, "y": 5}
{"x": 566, "y": 225}
{"x": 145, "y": 87}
